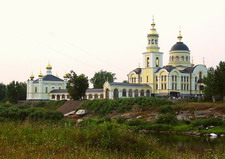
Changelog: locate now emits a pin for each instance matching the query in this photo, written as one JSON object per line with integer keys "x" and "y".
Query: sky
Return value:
{"x": 92, "y": 35}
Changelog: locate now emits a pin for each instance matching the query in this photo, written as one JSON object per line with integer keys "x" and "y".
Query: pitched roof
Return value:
{"x": 129, "y": 85}
{"x": 169, "y": 68}
{"x": 188, "y": 70}
{"x": 49, "y": 78}
{"x": 94, "y": 90}
{"x": 59, "y": 91}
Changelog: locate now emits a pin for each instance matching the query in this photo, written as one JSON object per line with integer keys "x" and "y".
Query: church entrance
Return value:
{"x": 107, "y": 94}
{"x": 58, "y": 97}
{"x": 115, "y": 94}
{"x": 174, "y": 94}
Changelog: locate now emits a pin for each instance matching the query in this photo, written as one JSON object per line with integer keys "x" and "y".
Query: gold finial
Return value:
{"x": 40, "y": 74}
{"x": 65, "y": 75}
{"x": 179, "y": 36}
{"x": 153, "y": 22}
{"x": 32, "y": 76}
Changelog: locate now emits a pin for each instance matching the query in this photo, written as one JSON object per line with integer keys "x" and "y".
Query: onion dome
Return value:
{"x": 179, "y": 46}
{"x": 32, "y": 76}
{"x": 40, "y": 75}
{"x": 48, "y": 67}
{"x": 65, "y": 76}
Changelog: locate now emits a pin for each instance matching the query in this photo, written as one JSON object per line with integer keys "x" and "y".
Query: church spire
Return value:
{"x": 180, "y": 36}
{"x": 153, "y": 22}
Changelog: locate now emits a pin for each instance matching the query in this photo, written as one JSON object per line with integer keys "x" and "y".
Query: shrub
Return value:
{"x": 208, "y": 122}
{"x": 166, "y": 109}
{"x": 137, "y": 122}
{"x": 120, "y": 119}
{"x": 159, "y": 127}
{"x": 167, "y": 119}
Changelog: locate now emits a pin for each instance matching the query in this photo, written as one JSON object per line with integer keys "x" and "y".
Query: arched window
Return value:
{"x": 101, "y": 96}
{"x": 147, "y": 93}
{"x": 90, "y": 96}
{"x": 116, "y": 93}
{"x": 107, "y": 93}
{"x": 147, "y": 62}
{"x": 161, "y": 78}
{"x": 96, "y": 96}
{"x": 46, "y": 89}
{"x": 157, "y": 62}
{"x": 200, "y": 75}
{"x": 142, "y": 92}
{"x": 149, "y": 41}
{"x": 152, "y": 41}
{"x": 135, "y": 93}
{"x": 124, "y": 93}
{"x": 172, "y": 58}
{"x": 53, "y": 96}
{"x": 177, "y": 58}
{"x": 35, "y": 90}
{"x": 130, "y": 94}
{"x": 58, "y": 97}
{"x": 156, "y": 78}
{"x": 187, "y": 58}
{"x": 182, "y": 58}
{"x": 165, "y": 78}
{"x": 156, "y": 42}
{"x": 63, "y": 96}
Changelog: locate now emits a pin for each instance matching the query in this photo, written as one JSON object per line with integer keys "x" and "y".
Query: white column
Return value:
{"x": 120, "y": 94}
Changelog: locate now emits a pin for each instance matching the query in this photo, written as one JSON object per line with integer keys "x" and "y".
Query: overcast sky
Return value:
{"x": 89, "y": 35}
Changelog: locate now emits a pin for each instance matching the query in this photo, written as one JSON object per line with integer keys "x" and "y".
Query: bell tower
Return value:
{"x": 152, "y": 57}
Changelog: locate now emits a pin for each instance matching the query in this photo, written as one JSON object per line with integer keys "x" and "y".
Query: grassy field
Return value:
{"x": 66, "y": 140}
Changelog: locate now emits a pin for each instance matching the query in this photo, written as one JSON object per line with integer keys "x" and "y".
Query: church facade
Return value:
{"x": 180, "y": 77}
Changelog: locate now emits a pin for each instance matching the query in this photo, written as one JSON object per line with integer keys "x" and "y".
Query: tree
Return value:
{"x": 215, "y": 82}
{"x": 2, "y": 91}
{"x": 11, "y": 92}
{"x": 21, "y": 90}
{"x": 101, "y": 77}
{"x": 77, "y": 85}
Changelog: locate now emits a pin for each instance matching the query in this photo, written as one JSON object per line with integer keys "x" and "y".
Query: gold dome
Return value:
{"x": 65, "y": 76}
{"x": 40, "y": 75}
{"x": 48, "y": 67}
{"x": 32, "y": 76}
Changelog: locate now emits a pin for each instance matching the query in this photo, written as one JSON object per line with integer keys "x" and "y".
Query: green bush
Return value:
{"x": 120, "y": 120}
{"x": 207, "y": 122}
{"x": 166, "y": 109}
{"x": 167, "y": 119}
{"x": 137, "y": 122}
{"x": 158, "y": 127}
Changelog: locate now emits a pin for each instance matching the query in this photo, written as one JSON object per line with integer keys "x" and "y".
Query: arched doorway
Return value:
{"x": 58, "y": 97}
{"x": 147, "y": 93}
{"x": 130, "y": 93}
{"x": 115, "y": 93}
{"x": 96, "y": 96}
{"x": 107, "y": 93}
{"x": 124, "y": 93}
{"x": 142, "y": 93}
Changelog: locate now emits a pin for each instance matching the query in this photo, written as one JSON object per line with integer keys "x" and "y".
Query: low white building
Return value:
{"x": 40, "y": 88}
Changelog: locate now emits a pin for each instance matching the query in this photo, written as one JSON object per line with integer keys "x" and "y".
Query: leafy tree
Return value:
{"x": 11, "y": 92}
{"x": 101, "y": 77}
{"x": 209, "y": 81}
{"x": 2, "y": 91}
{"x": 21, "y": 90}
{"x": 77, "y": 85}
{"x": 215, "y": 82}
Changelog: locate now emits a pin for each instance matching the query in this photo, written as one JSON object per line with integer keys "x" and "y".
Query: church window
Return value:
{"x": 182, "y": 58}
{"x": 124, "y": 93}
{"x": 175, "y": 78}
{"x": 152, "y": 41}
{"x": 186, "y": 58}
{"x": 184, "y": 86}
{"x": 134, "y": 79}
{"x": 162, "y": 86}
{"x": 165, "y": 86}
{"x": 165, "y": 78}
{"x": 90, "y": 96}
{"x": 35, "y": 89}
{"x": 156, "y": 78}
{"x": 172, "y": 86}
{"x": 142, "y": 93}
{"x": 156, "y": 86}
{"x": 63, "y": 96}
{"x": 149, "y": 41}
{"x": 147, "y": 78}
{"x": 172, "y": 77}
{"x": 196, "y": 79}
{"x": 130, "y": 93}
{"x": 156, "y": 42}
{"x": 59, "y": 87}
{"x": 161, "y": 78}
{"x": 135, "y": 93}
{"x": 175, "y": 86}
{"x": 53, "y": 96}
{"x": 187, "y": 79}
{"x": 46, "y": 89}
{"x": 96, "y": 96}
{"x": 157, "y": 62}
{"x": 181, "y": 86}
{"x": 184, "y": 79}
{"x": 147, "y": 62}
{"x": 181, "y": 78}
{"x": 187, "y": 86}
{"x": 196, "y": 87}
{"x": 200, "y": 75}
{"x": 172, "y": 58}
{"x": 177, "y": 58}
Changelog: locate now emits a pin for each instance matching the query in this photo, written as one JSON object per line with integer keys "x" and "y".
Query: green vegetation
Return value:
{"x": 101, "y": 77}
{"x": 77, "y": 85}
{"x": 105, "y": 106}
